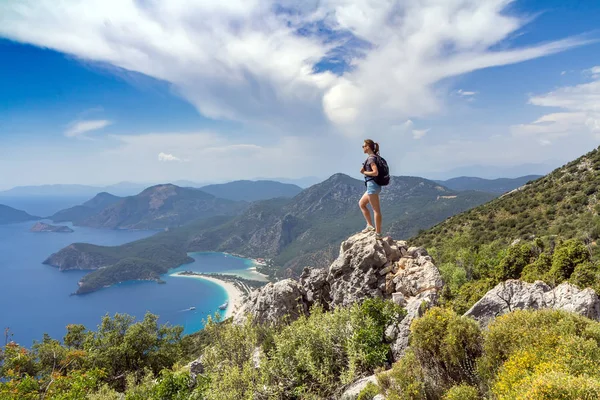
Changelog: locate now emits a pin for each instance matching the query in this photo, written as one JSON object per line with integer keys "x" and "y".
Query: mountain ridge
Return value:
{"x": 9, "y": 215}
{"x": 499, "y": 185}
{"x": 303, "y": 230}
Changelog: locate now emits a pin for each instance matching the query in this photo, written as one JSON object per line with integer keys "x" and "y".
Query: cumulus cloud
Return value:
{"x": 80, "y": 128}
{"x": 263, "y": 61}
{"x": 167, "y": 157}
{"x": 581, "y": 111}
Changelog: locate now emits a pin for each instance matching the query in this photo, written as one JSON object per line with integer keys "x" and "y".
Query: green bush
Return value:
{"x": 317, "y": 354}
{"x": 516, "y": 259}
{"x": 368, "y": 392}
{"x": 462, "y": 392}
{"x": 522, "y": 330}
{"x": 537, "y": 270}
{"x": 447, "y": 346}
{"x": 566, "y": 257}
{"x": 585, "y": 275}
{"x": 405, "y": 381}
{"x": 558, "y": 385}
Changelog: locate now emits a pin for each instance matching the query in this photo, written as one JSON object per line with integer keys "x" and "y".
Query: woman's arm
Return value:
{"x": 373, "y": 171}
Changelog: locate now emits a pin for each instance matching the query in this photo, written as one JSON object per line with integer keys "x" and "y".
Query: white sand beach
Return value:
{"x": 234, "y": 295}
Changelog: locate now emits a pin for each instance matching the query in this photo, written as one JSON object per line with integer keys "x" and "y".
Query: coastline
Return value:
{"x": 234, "y": 294}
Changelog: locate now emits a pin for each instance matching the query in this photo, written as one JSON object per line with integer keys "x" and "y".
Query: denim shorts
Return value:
{"x": 372, "y": 187}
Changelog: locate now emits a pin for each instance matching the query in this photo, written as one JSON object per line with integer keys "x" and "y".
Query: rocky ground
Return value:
{"x": 406, "y": 275}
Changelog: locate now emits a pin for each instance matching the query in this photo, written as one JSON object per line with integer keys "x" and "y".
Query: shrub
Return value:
{"x": 405, "y": 381}
{"x": 566, "y": 257}
{"x": 368, "y": 392}
{"x": 558, "y": 385}
{"x": 447, "y": 346}
{"x": 523, "y": 330}
{"x": 462, "y": 392}
{"x": 515, "y": 260}
{"x": 585, "y": 275}
{"x": 317, "y": 354}
{"x": 537, "y": 270}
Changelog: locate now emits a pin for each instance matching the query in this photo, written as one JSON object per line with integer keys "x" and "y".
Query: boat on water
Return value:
{"x": 192, "y": 308}
{"x": 224, "y": 305}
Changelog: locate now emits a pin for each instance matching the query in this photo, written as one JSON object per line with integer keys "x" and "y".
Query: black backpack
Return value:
{"x": 383, "y": 171}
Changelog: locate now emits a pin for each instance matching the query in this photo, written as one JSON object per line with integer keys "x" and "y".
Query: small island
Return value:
{"x": 43, "y": 227}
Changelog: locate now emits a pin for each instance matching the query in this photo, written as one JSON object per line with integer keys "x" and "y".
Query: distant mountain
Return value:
{"x": 496, "y": 171}
{"x": 304, "y": 230}
{"x": 303, "y": 182}
{"x": 68, "y": 190}
{"x": 79, "y": 214}
{"x": 9, "y": 215}
{"x": 157, "y": 207}
{"x": 245, "y": 190}
{"x": 500, "y": 185}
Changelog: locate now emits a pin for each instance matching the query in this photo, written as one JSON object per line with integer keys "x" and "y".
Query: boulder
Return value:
{"x": 360, "y": 270}
{"x": 273, "y": 303}
{"x": 518, "y": 295}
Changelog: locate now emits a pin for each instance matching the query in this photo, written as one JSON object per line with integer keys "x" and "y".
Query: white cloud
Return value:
{"x": 419, "y": 133}
{"x": 594, "y": 72}
{"x": 79, "y": 128}
{"x": 465, "y": 93}
{"x": 242, "y": 60}
{"x": 167, "y": 157}
{"x": 580, "y": 113}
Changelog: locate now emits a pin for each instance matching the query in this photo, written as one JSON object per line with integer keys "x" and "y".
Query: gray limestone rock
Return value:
{"x": 359, "y": 271}
{"x": 315, "y": 286}
{"x": 518, "y": 295}
{"x": 273, "y": 303}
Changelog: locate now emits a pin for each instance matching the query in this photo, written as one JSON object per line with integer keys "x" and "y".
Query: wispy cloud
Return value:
{"x": 465, "y": 93}
{"x": 594, "y": 72}
{"x": 80, "y": 128}
{"x": 256, "y": 61}
{"x": 581, "y": 111}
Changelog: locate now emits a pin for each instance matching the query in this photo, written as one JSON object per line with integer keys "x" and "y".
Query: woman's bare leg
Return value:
{"x": 374, "y": 200}
{"x": 362, "y": 203}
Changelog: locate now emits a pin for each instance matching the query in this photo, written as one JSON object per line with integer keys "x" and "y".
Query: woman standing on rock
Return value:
{"x": 371, "y": 196}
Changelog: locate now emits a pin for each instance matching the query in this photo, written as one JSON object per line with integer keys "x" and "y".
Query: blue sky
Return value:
{"x": 102, "y": 91}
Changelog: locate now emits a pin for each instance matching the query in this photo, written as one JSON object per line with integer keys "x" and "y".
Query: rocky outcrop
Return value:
{"x": 517, "y": 295}
{"x": 43, "y": 227}
{"x": 274, "y": 303}
{"x": 365, "y": 268}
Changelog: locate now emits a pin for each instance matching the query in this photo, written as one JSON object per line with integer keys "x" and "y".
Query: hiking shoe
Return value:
{"x": 378, "y": 236}
{"x": 368, "y": 229}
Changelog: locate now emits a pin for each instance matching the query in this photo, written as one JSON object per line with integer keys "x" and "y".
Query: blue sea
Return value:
{"x": 35, "y": 298}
